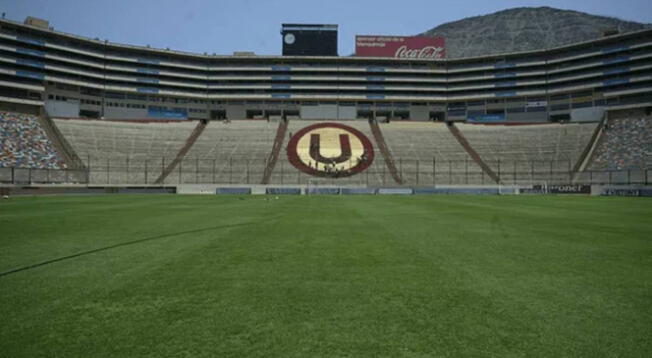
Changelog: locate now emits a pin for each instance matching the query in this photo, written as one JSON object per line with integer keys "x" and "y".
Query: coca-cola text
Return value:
{"x": 428, "y": 52}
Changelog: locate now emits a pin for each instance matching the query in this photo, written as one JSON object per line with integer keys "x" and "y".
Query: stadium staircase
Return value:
{"x": 73, "y": 161}
{"x": 199, "y": 129}
{"x": 276, "y": 149}
{"x": 587, "y": 154}
{"x": 384, "y": 150}
{"x": 476, "y": 157}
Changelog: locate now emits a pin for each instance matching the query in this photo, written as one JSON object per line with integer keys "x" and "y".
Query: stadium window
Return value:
{"x": 457, "y": 113}
{"x": 582, "y": 105}
{"x": 515, "y": 100}
{"x": 582, "y": 94}
{"x": 495, "y": 111}
{"x": 516, "y": 110}
{"x": 559, "y": 107}
{"x": 138, "y": 97}
{"x": 114, "y": 95}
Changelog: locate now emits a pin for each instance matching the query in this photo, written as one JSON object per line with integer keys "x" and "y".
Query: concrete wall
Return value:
{"x": 527, "y": 117}
{"x": 419, "y": 113}
{"x": 328, "y": 111}
{"x": 125, "y": 113}
{"x": 593, "y": 114}
{"x": 62, "y": 108}
{"x": 236, "y": 112}
{"x": 348, "y": 112}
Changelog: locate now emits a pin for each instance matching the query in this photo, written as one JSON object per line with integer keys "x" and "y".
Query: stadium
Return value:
{"x": 367, "y": 205}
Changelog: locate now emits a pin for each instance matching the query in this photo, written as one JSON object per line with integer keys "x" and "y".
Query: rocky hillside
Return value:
{"x": 525, "y": 29}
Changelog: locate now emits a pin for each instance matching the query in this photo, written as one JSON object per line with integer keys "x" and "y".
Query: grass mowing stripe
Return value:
{"x": 83, "y": 253}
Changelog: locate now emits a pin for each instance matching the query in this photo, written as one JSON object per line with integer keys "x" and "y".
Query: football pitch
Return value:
{"x": 330, "y": 276}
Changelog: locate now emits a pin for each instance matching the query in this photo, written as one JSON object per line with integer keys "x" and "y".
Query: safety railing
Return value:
{"x": 129, "y": 171}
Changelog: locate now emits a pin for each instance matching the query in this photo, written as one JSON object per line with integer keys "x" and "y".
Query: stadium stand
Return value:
{"x": 199, "y": 129}
{"x": 229, "y": 152}
{"x": 530, "y": 153}
{"x": 461, "y": 139}
{"x": 240, "y": 152}
{"x": 626, "y": 144}
{"x": 133, "y": 152}
{"x": 430, "y": 150}
{"x": 25, "y": 143}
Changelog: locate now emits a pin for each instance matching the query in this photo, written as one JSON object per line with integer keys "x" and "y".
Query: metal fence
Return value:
{"x": 127, "y": 171}
{"x": 28, "y": 176}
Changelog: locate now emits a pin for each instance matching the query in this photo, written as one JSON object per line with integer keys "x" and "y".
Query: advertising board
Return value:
{"x": 418, "y": 47}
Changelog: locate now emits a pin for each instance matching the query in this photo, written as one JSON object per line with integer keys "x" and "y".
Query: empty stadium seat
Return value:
{"x": 233, "y": 152}
{"x": 125, "y": 152}
{"x": 526, "y": 154}
{"x": 427, "y": 153}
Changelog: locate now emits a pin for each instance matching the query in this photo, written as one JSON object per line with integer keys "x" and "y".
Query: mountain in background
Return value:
{"x": 525, "y": 29}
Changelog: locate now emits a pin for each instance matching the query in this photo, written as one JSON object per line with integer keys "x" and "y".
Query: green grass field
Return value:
{"x": 358, "y": 276}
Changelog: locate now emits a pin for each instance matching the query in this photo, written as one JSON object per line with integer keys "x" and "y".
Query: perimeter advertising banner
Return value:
{"x": 418, "y": 47}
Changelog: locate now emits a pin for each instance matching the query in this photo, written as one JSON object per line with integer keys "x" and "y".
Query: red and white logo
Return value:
{"x": 330, "y": 150}
{"x": 417, "y": 47}
{"x": 428, "y": 52}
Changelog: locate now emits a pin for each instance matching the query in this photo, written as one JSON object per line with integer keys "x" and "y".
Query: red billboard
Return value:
{"x": 418, "y": 47}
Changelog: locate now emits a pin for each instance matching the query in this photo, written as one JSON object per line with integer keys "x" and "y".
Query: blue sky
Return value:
{"x": 224, "y": 26}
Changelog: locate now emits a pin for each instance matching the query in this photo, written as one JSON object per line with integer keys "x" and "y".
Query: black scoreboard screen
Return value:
{"x": 309, "y": 40}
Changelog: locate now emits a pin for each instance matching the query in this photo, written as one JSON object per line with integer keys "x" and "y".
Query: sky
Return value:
{"x": 225, "y": 26}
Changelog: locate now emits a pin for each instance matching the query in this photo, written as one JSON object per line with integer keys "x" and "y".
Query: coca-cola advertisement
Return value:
{"x": 418, "y": 47}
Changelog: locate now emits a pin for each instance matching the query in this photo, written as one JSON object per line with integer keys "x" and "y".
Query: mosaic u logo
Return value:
{"x": 315, "y": 150}
{"x": 330, "y": 150}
